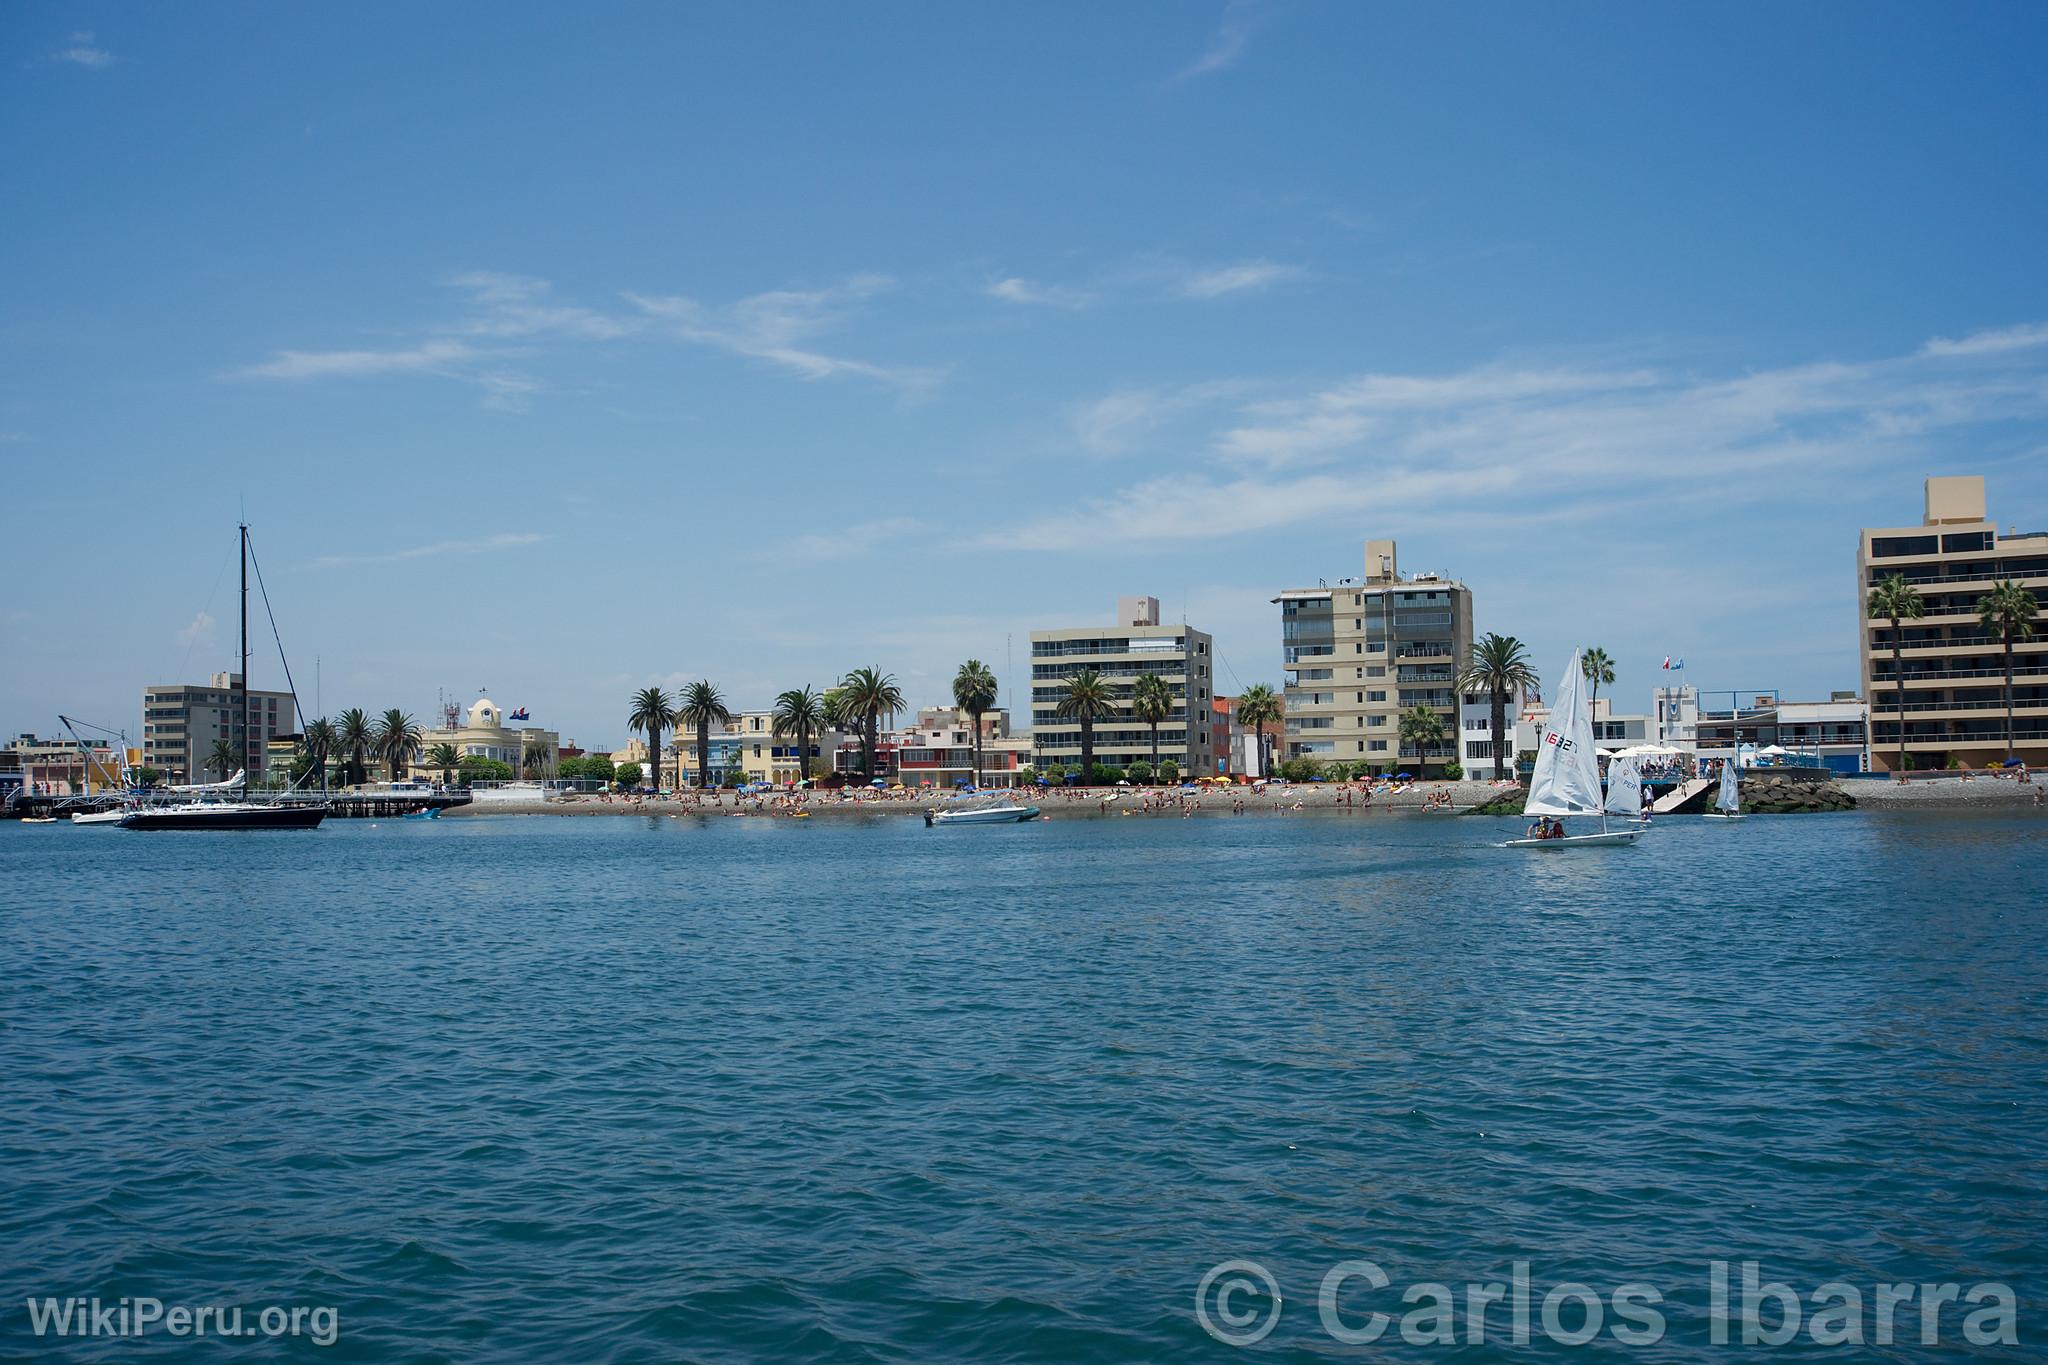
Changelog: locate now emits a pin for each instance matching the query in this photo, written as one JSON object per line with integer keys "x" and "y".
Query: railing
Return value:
{"x": 1945, "y": 674}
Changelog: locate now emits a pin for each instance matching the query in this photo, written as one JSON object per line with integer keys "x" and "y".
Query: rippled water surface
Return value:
{"x": 623, "y": 1089}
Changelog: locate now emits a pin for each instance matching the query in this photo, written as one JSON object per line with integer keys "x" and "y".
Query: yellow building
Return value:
{"x": 483, "y": 733}
{"x": 1953, "y": 670}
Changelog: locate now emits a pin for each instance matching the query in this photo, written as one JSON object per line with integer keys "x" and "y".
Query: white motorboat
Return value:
{"x": 99, "y": 817}
{"x": 1566, "y": 782}
{"x": 982, "y": 815}
{"x": 1727, "y": 801}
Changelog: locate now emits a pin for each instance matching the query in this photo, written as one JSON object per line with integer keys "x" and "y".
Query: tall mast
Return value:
{"x": 242, "y": 678}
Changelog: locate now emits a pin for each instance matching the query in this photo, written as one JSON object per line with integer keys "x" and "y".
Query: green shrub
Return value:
{"x": 1454, "y": 770}
{"x": 627, "y": 775}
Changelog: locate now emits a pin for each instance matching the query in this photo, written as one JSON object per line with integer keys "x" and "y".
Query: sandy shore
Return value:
{"x": 1277, "y": 798}
{"x": 1094, "y": 803}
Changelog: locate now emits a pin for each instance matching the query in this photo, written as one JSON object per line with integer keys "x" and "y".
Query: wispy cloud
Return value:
{"x": 1226, "y": 45}
{"x": 508, "y": 540}
{"x": 1990, "y": 343}
{"x": 778, "y": 326}
{"x": 522, "y": 306}
{"x": 1527, "y": 443}
{"x": 1017, "y": 290}
{"x": 200, "y": 628}
{"x": 1217, "y": 281}
{"x": 1128, "y": 420}
{"x": 84, "y": 50}
{"x": 433, "y": 357}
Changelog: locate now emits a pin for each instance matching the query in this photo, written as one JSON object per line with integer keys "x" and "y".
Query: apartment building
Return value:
{"x": 1133, "y": 647}
{"x": 1475, "y": 731}
{"x": 181, "y": 723}
{"x": 1953, "y": 670}
{"x": 1361, "y": 652}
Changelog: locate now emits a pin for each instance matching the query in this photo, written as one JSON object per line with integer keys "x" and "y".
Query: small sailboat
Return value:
{"x": 1567, "y": 778}
{"x": 1727, "y": 801}
{"x": 1625, "y": 790}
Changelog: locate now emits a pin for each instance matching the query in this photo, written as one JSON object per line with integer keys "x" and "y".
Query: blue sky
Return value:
{"x": 560, "y": 351}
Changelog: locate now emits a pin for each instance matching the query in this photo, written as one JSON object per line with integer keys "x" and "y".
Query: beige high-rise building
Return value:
{"x": 1362, "y": 651}
{"x": 1135, "y": 646}
{"x": 1954, "y": 672}
{"x": 181, "y": 724}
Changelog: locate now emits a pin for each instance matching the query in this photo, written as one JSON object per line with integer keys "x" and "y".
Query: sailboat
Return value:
{"x": 1625, "y": 790}
{"x": 1728, "y": 801}
{"x": 1567, "y": 778}
{"x": 212, "y": 805}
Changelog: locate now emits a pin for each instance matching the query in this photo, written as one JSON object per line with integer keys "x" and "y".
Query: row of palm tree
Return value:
{"x": 2007, "y": 611}
{"x": 355, "y": 738}
{"x": 858, "y": 703}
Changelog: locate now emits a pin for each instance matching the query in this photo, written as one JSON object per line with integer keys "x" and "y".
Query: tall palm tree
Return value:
{"x": 800, "y": 713}
{"x": 1896, "y": 600}
{"x": 2008, "y": 611}
{"x": 1598, "y": 669}
{"x": 398, "y": 738}
{"x": 447, "y": 759}
{"x": 870, "y": 694}
{"x": 1088, "y": 698}
{"x": 1152, "y": 702}
{"x": 1424, "y": 728}
{"x": 654, "y": 712}
{"x": 700, "y": 706}
{"x": 222, "y": 759}
{"x": 356, "y": 735}
{"x": 319, "y": 743}
{"x": 1499, "y": 667}
{"x": 974, "y": 691}
{"x": 1258, "y": 708}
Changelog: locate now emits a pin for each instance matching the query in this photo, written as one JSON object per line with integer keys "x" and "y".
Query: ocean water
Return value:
{"x": 619, "y": 1089}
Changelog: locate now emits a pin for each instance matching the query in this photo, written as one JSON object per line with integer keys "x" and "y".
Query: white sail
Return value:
{"x": 1567, "y": 777}
{"x": 1624, "y": 787}
{"x": 1730, "y": 798}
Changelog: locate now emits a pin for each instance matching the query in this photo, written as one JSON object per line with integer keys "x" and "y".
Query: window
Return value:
{"x": 1965, "y": 542}
{"x": 1373, "y": 722}
{"x": 1377, "y": 745}
{"x": 1376, "y": 696}
{"x": 1376, "y": 671}
{"x": 1885, "y": 547}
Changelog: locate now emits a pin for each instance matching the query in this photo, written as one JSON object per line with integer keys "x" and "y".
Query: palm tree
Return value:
{"x": 1499, "y": 667}
{"x": 701, "y": 705}
{"x": 1424, "y": 728}
{"x": 1258, "y": 708}
{"x": 354, "y": 735}
{"x": 2008, "y": 611}
{"x": 1087, "y": 699}
{"x": 1152, "y": 702}
{"x": 222, "y": 759}
{"x": 397, "y": 738}
{"x": 445, "y": 757}
{"x": 1896, "y": 600}
{"x": 974, "y": 691}
{"x": 1598, "y": 669}
{"x": 654, "y": 712}
{"x": 799, "y": 713}
{"x": 870, "y": 694}
{"x": 319, "y": 744}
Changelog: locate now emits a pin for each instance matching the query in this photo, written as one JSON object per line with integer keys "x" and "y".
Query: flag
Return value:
{"x": 1670, "y": 663}
{"x": 1667, "y": 662}
{"x": 520, "y": 714}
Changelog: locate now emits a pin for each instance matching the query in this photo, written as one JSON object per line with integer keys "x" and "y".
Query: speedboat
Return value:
{"x": 98, "y": 817}
{"x": 982, "y": 815}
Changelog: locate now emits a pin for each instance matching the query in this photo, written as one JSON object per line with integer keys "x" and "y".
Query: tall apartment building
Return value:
{"x": 1954, "y": 672}
{"x": 1135, "y": 646}
{"x": 1360, "y": 653}
{"x": 181, "y": 723}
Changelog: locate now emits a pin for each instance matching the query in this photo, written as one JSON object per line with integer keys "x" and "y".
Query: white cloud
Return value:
{"x": 520, "y": 306}
{"x": 1226, "y": 45}
{"x": 433, "y": 357}
{"x": 84, "y": 51}
{"x": 1127, "y": 420}
{"x": 200, "y": 628}
{"x": 1990, "y": 343}
{"x": 1236, "y": 279}
{"x": 1520, "y": 445}
{"x": 1017, "y": 290}
{"x": 506, "y": 541}
{"x": 775, "y": 326}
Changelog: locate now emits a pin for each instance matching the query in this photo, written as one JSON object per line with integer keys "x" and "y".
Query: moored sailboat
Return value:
{"x": 1625, "y": 790}
{"x": 1566, "y": 782}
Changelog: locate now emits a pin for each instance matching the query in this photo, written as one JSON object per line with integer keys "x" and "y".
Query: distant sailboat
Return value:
{"x": 1728, "y": 801}
{"x": 1624, "y": 789}
{"x": 1567, "y": 777}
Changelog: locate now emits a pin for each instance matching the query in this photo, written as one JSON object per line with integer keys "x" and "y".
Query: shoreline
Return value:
{"x": 1443, "y": 798}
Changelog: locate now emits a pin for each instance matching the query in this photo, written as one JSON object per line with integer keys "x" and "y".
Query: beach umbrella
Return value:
{"x": 1404, "y": 777}
{"x": 1123, "y": 782}
{"x": 2015, "y": 761}
{"x": 1045, "y": 782}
